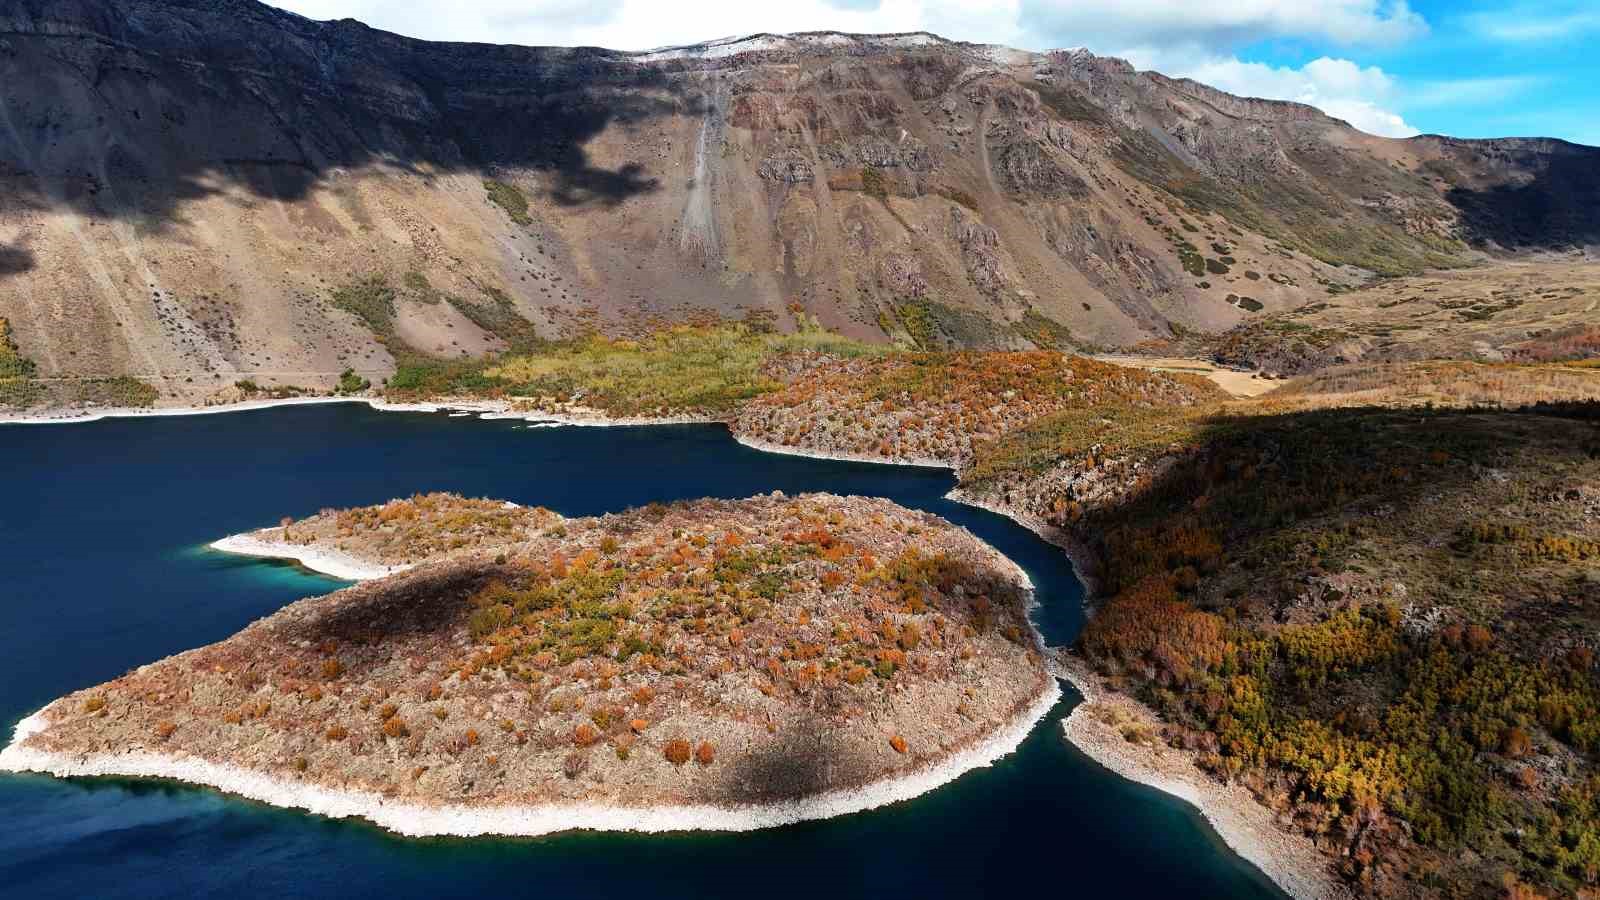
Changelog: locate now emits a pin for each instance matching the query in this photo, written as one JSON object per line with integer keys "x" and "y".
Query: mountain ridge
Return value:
{"x": 193, "y": 187}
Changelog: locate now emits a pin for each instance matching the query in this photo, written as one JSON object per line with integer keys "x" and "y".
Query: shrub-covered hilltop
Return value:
{"x": 936, "y": 406}
{"x": 1365, "y": 602}
{"x": 1362, "y": 606}
{"x": 693, "y": 372}
{"x": 1379, "y": 620}
{"x": 809, "y": 391}
{"x": 713, "y": 652}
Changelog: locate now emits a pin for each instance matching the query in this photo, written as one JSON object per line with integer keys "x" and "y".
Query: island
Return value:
{"x": 708, "y": 664}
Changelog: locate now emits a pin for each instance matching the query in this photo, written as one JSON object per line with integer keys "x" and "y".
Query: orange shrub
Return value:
{"x": 676, "y": 751}
{"x": 705, "y": 754}
{"x": 585, "y": 734}
{"x": 1515, "y": 743}
{"x": 1148, "y": 623}
{"x": 898, "y": 743}
{"x": 892, "y": 657}
{"x": 395, "y": 727}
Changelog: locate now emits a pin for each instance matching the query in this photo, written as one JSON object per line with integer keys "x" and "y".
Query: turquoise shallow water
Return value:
{"x": 102, "y": 536}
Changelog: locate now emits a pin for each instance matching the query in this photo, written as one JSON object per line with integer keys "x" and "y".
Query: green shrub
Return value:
{"x": 12, "y": 363}
{"x": 17, "y": 388}
{"x": 1191, "y": 260}
{"x": 372, "y": 301}
{"x": 703, "y": 370}
{"x": 499, "y": 316}
{"x": 421, "y": 290}
{"x": 20, "y": 393}
{"x": 874, "y": 183}
{"x": 509, "y": 198}
{"x": 418, "y": 376}
{"x": 351, "y": 383}
{"x": 122, "y": 390}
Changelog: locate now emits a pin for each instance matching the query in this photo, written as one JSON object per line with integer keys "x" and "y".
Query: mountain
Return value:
{"x": 194, "y": 192}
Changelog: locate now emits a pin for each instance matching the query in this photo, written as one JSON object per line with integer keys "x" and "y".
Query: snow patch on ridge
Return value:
{"x": 723, "y": 48}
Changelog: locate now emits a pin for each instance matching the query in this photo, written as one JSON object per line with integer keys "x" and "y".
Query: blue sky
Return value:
{"x": 1481, "y": 69}
{"x": 1471, "y": 68}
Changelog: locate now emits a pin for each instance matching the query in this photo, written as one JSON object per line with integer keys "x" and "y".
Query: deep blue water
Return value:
{"x": 102, "y": 568}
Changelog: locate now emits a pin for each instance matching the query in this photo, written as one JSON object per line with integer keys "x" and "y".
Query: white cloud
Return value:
{"x": 1528, "y": 23}
{"x": 1219, "y": 26}
{"x": 1469, "y": 91}
{"x": 1198, "y": 40}
{"x": 1362, "y": 96}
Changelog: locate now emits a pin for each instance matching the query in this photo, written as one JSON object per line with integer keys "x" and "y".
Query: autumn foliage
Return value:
{"x": 676, "y": 751}
{"x": 1345, "y": 610}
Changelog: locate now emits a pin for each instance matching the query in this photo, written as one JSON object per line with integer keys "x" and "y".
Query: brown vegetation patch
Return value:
{"x": 937, "y": 406}
{"x": 531, "y": 671}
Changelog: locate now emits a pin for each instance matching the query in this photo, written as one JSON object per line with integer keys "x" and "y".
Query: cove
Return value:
{"x": 102, "y": 540}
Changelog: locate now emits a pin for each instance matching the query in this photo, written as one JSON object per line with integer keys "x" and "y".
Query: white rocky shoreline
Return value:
{"x": 515, "y": 820}
{"x": 82, "y": 416}
{"x": 455, "y": 820}
{"x": 318, "y": 559}
{"x": 1244, "y": 825}
{"x": 487, "y": 409}
{"x": 927, "y": 462}
{"x": 1247, "y": 827}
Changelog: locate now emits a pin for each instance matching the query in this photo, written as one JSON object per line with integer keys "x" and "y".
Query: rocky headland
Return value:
{"x": 713, "y": 664}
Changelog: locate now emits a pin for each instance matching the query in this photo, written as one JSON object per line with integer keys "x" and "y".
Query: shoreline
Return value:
{"x": 333, "y": 563}
{"x": 416, "y": 819}
{"x": 1247, "y": 827}
{"x": 570, "y": 420}
{"x": 1288, "y": 859}
{"x": 840, "y": 456}
{"x": 455, "y": 820}
{"x": 1302, "y": 875}
{"x": 1083, "y": 562}
{"x": 77, "y": 417}
{"x": 486, "y": 409}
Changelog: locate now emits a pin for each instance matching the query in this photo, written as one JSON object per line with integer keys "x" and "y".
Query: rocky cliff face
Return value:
{"x": 186, "y": 187}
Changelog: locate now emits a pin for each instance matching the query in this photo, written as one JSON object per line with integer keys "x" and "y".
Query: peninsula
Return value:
{"x": 710, "y": 664}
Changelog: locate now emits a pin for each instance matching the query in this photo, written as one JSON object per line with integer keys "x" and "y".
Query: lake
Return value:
{"x": 102, "y": 555}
